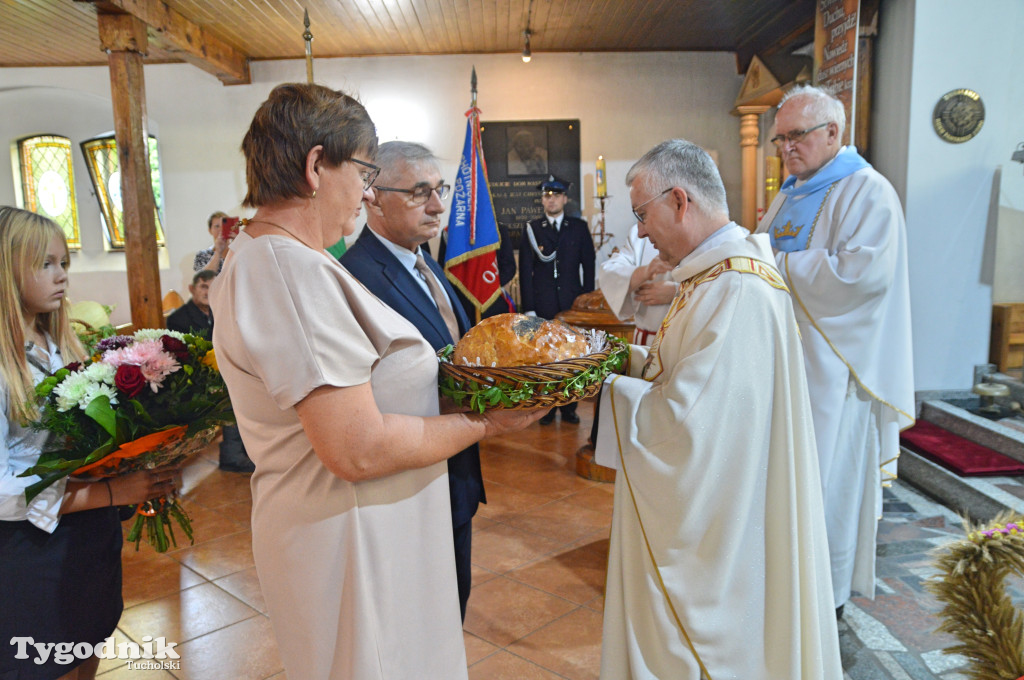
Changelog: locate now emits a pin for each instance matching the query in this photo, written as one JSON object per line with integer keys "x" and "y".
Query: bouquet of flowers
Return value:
{"x": 139, "y": 402}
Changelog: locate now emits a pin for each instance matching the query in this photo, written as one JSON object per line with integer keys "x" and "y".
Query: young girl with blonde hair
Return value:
{"x": 60, "y": 554}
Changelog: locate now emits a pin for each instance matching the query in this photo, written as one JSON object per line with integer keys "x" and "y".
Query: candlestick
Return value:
{"x": 602, "y": 184}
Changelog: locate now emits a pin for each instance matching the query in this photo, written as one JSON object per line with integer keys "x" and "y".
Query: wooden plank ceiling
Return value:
{"x": 64, "y": 32}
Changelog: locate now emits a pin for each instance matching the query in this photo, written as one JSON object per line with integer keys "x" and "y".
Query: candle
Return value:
{"x": 602, "y": 185}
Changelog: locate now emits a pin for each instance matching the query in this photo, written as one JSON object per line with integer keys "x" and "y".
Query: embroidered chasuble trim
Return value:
{"x": 786, "y": 230}
{"x": 887, "y": 476}
{"x": 643, "y": 532}
{"x": 742, "y": 265}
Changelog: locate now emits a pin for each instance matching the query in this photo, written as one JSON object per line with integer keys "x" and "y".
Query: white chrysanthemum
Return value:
{"x": 100, "y": 372}
{"x": 96, "y": 389}
{"x": 71, "y": 390}
{"x": 155, "y": 333}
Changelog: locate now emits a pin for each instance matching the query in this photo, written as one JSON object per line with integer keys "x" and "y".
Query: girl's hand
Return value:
{"x": 143, "y": 485}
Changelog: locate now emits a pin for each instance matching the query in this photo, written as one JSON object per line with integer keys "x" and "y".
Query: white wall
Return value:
{"x": 952, "y": 193}
{"x": 626, "y": 103}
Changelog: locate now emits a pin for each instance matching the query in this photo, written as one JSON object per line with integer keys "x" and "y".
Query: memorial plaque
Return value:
{"x": 520, "y": 155}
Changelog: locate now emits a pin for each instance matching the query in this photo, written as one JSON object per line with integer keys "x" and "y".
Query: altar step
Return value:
{"x": 979, "y": 498}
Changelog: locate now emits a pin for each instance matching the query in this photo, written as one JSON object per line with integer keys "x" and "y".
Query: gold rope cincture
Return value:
{"x": 647, "y": 543}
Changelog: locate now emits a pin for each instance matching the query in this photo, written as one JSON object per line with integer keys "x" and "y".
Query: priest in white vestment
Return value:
{"x": 840, "y": 241}
{"x": 718, "y": 565}
{"x": 636, "y": 283}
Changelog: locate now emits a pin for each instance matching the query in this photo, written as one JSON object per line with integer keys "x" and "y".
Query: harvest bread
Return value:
{"x": 519, "y": 340}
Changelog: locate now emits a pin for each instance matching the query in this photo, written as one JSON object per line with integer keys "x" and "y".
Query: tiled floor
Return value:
{"x": 539, "y": 552}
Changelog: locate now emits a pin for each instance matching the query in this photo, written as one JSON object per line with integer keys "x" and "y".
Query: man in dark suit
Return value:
{"x": 556, "y": 265}
{"x": 387, "y": 259}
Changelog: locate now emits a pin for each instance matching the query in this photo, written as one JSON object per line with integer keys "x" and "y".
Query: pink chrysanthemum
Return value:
{"x": 149, "y": 356}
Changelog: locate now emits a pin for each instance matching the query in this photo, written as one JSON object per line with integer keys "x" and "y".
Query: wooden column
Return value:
{"x": 750, "y": 133}
{"x": 124, "y": 38}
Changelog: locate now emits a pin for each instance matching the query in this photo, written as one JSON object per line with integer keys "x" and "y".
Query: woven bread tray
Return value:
{"x": 529, "y": 387}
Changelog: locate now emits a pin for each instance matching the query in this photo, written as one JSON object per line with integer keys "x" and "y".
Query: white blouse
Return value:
{"x": 20, "y": 447}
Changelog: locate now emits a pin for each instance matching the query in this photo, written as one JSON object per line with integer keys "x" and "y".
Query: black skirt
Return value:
{"x": 59, "y": 587}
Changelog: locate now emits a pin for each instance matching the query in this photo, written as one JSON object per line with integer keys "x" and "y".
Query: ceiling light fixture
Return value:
{"x": 527, "y": 54}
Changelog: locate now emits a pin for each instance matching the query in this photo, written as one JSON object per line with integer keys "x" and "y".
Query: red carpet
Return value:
{"x": 962, "y": 456}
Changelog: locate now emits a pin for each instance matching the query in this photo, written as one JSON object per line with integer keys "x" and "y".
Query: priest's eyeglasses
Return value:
{"x": 370, "y": 175}
{"x": 640, "y": 217}
{"x": 420, "y": 193}
{"x": 795, "y": 136}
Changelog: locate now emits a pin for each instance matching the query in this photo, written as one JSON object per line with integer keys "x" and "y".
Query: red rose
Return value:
{"x": 129, "y": 380}
{"x": 175, "y": 348}
{"x": 74, "y": 366}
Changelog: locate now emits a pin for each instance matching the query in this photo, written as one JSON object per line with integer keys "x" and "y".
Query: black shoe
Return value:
{"x": 571, "y": 418}
{"x": 237, "y": 464}
{"x": 839, "y": 611}
{"x": 548, "y": 419}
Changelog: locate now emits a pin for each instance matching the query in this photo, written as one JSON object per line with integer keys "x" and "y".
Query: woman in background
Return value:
{"x": 60, "y": 554}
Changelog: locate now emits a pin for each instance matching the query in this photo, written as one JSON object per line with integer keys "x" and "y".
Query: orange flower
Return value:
{"x": 210, "y": 359}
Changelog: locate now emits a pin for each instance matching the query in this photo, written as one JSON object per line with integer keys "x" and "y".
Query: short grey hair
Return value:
{"x": 823, "y": 106}
{"x": 392, "y": 157}
{"x": 683, "y": 164}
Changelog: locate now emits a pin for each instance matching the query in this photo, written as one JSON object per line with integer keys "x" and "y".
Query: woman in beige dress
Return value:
{"x": 336, "y": 399}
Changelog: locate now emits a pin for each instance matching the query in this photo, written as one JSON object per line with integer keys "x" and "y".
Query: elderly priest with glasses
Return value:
{"x": 718, "y": 562}
{"x": 387, "y": 258}
{"x": 840, "y": 241}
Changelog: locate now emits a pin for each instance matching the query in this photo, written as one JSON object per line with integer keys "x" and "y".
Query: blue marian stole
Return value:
{"x": 793, "y": 226}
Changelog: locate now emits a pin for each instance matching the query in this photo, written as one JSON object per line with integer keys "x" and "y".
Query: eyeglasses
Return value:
{"x": 636, "y": 211}
{"x": 370, "y": 175}
{"x": 795, "y": 136}
{"x": 420, "y": 193}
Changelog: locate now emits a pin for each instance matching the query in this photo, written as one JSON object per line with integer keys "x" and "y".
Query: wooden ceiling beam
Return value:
{"x": 775, "y": 34}
{"x": 184, "y": 39}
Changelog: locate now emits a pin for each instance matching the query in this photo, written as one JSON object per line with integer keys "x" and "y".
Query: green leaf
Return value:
{"x": 100, "y": 410}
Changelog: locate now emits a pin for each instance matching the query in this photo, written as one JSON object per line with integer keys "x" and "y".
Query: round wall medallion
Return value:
{"x": 959, "y": 115}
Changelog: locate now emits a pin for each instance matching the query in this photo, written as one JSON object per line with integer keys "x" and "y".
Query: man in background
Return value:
{"x": 718, "y": 563}
{"x": 387, "y": 259}
{"x": 556, "y": 265}
{"x": 196, "y": 317}
{"x": 840, "y": 240}
{"x": 637, "y": 285}
{"x": 233, "y": 457}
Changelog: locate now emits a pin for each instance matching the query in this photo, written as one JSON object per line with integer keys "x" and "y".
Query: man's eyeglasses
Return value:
{"x": 795, "y": 136}
{"x": 420, "y": 193}
{"x": 369, "y": 175}
{"x": 636, "y": 211}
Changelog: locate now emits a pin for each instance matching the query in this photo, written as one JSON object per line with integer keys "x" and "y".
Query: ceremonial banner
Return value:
{"x": 835, "y": 54}
{"x": 471, "y": 262}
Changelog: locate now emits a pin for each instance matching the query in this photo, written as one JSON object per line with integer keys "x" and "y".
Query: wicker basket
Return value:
{"x": 552, "y": 384}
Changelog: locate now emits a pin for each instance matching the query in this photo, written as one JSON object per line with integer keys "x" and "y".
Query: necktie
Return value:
{"x": 440, "y": 299}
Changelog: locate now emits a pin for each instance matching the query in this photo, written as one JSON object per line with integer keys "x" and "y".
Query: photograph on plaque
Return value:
{"x": 527, "y": 150}
{"x": 520, "y": 155}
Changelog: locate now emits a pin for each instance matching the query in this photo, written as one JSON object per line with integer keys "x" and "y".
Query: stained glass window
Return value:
{"x": 105, "y": 173}
{"x": 48, "y": 182}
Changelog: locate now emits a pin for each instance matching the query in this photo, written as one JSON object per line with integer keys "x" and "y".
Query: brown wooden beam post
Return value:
{"x": 124, "y": 38}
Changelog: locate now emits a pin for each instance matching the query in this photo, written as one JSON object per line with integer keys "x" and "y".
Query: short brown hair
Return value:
{"x": 295, "y": 118}
{"x": 203, "y": 275}
{"x": 211, "y": 218}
